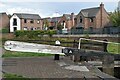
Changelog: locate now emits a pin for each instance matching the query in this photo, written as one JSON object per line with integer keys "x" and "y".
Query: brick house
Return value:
{"x": 4, "y": 21}
{"x": 68, "y": 19}
{"x": 95, "y": 17}
{"x": 52, "y": 22}
{"x": 23, "y": 21}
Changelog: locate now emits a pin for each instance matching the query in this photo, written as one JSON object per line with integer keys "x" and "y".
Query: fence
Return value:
{"x": 105, "y": 30}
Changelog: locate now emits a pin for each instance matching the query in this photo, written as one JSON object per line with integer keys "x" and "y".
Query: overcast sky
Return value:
{"x": 52, "y": 9}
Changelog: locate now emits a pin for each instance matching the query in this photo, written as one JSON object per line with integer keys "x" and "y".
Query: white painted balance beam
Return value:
{"x": 32, "y": 47}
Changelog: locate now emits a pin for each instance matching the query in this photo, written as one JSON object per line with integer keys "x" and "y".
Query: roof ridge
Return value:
{"x": 90, "y": 8}
{"x": 26, "y": 13}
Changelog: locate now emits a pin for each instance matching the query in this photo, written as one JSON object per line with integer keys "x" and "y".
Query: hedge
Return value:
{"x": 36, "y": 33}
{"x": 4, "y": 30}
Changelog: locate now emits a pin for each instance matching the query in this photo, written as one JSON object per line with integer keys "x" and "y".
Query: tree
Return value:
{"x": 46, "y": 23}
{"x": 115, "y": 18}
{"x": 59, "y": 26}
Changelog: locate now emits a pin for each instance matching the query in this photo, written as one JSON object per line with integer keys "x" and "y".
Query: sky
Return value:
{"x": 51, "y": 9}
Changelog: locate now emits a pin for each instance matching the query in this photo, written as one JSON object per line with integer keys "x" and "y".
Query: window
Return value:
{"x": 25, "y": 20}
{"x": 35, "y": 28}
{"x": 32, "y": 21}
{"x": 91, "y": 19}
{"x": 80, "y": 19}
{"x": 14, "y": 22}
{"x": 38, "y": 28}
{"x": 38, "y": 21}
{"x": 25, "y": 28}
{"x": 63, "y": 22}
{"x": 32, "y": 28}
{"x": 68, "y": 18}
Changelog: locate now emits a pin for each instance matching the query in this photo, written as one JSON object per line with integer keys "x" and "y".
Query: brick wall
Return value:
{"x": 102, "y": 17}
{"x": 4, "y": 21}
{"x": 31, "y": 25}
{"x": 69, "y": 23}
{"x": 100, "y": 20}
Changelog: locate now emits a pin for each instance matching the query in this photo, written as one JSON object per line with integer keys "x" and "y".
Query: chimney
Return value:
{"x": 101, "y": 5}
{"x": 72, "y": 18}
{"x": 101, "y": 12}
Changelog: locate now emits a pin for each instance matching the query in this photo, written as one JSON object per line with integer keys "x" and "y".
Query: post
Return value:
{"x": 56, "y": 56}
{"x": 108, "y": 64}
{"x": 76, "y": 55}
{"x": 105, "y": 46}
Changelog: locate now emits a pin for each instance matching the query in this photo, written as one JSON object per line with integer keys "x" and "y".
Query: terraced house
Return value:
{"x": 23, "y": 21}
{"x": 96, "y": 17}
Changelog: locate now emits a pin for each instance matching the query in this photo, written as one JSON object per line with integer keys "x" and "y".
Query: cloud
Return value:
{"x": 25, "y": 10}
{"x": 31, "y": 11}
{"x": 2, "y": 5}
{"x": 55, "y": 15}
{"x": 19, "y": 10}
{"x": 60, "y": 0}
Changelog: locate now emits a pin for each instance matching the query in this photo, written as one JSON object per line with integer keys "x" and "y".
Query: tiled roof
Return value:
{"x": 28, "y": 16}
{"x": 3, "y": 13}
{"x": 54, "y": 19}
{"x": 67, "y": 16}
{"x": 90, "y": 12}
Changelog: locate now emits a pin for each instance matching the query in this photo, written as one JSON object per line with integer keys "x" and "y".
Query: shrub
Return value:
{"x": 34, "y": 34}
{"x": 4, "y": 30}
{"x": 51, "y": 32}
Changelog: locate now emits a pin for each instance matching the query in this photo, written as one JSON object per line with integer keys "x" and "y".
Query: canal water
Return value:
{"x": 116, "y": 72}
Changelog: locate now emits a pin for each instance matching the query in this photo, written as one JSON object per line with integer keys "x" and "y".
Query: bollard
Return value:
{"x": 108, "y": 64}
{"x": 56, "y": 56}
{"x": 76, "y": 55}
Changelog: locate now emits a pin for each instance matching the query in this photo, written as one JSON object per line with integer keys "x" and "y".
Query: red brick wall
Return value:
{"x": 4, "y": 21}
{"x": 102, "y": 18}
{"x": 69, "y": 23}
{"x": 99, "y": 21}
{"x": 29, "y": 25}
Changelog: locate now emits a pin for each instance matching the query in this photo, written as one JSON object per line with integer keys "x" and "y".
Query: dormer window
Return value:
{"x": 91, "y": 20}
{"x": 80, "y": 19}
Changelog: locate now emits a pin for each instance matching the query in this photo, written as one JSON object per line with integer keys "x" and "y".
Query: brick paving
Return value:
{"x": 42, "y": 67}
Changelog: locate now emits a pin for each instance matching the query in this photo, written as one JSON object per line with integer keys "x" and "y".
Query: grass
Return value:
{"x": 24, "y": 54}
{"x": 113, "y": 48}
{"x": 8, "y": 76}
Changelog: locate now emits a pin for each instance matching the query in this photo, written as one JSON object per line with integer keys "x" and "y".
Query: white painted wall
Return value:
{"x": 11, "y": 23}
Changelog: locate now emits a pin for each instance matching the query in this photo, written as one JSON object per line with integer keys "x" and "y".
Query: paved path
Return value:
{"x": 46, "y": 67}
{"x": 43, "y": 67}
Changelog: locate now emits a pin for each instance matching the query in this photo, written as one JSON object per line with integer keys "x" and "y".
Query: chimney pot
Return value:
{"x": 101, "y": 5}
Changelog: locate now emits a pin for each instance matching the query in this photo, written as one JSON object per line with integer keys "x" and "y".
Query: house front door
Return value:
{"x": 15, "y": 28}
